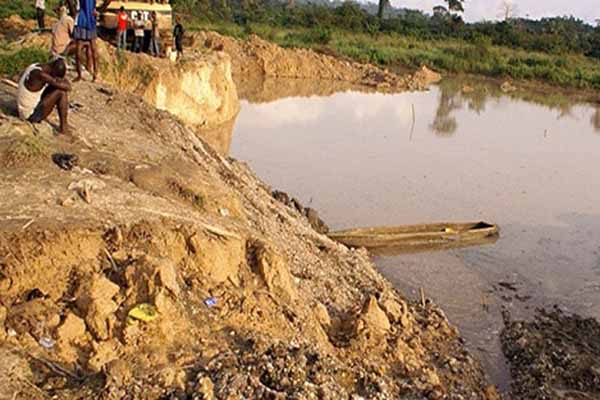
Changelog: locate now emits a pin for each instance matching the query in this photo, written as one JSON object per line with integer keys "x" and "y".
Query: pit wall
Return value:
{"x": 199, "y": 91}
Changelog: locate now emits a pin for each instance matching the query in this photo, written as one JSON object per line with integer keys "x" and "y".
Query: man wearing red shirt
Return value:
{"x": 122, "y": 18}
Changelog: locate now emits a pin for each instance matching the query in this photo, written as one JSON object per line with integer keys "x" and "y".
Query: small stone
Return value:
{"x": 205, "y": 387}
{"x": 322, "y": 315}
{"x": 373, "y": 318}
{"x": 71, "y": 329}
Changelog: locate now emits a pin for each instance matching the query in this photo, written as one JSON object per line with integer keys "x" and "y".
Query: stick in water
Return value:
{"x": 412, "y": 128}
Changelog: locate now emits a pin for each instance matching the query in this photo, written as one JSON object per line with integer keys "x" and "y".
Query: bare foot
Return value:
{"x": 77, "y": 79}
{"x": 65, "y": 131}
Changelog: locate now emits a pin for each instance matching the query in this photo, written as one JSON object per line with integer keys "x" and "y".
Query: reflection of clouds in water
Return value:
{"x": 351, "y": 107}
{"x": 379, "y": 105}
{"x": 285, "y": 112}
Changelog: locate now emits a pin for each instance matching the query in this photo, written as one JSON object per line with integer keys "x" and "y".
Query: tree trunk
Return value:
{"x": 381, "y": 9}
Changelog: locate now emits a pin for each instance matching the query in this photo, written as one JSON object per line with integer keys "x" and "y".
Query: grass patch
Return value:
{"x": 25, "y": 150}
{"x": 14, "y": 63}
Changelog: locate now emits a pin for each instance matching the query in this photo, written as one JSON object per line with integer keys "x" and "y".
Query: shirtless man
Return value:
{"x": 43, "y": 87}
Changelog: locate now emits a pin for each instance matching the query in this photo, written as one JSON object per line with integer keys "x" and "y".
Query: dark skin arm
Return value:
{"x": 104, "y": 6}
{"x": 37, "y": 80}
{"x": 71, "y": 7}
{"x": 73, "y": 10}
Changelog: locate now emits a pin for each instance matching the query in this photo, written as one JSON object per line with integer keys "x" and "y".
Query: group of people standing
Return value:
{"x": 139, "y": 31}
{"x": 44, "y": 87}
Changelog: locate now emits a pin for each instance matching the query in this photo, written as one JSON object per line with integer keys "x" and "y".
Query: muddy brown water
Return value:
{"x": 528, "y": 162}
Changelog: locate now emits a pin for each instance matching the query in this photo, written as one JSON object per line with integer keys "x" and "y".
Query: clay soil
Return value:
{"x": 251, "y": 301}
{"x": 255, "y": 59}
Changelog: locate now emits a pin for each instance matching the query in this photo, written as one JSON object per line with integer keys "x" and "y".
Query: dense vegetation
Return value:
{"x": 563, "y": 51}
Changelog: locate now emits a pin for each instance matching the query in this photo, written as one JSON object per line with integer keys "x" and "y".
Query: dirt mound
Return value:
{"x": 155, "y": 267}
{"x": 555, "y": 356}
{"x": 14, "y": 27}
{"x": 257, "y": 57}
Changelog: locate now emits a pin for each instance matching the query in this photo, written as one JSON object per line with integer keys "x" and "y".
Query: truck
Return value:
{"x": 164, "y": 13}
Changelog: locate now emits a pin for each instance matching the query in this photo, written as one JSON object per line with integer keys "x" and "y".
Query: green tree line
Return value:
{"x": 557, "y": 35}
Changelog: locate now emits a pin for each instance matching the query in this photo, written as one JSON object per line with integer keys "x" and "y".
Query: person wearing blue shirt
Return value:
{"x": 86, "y": 32}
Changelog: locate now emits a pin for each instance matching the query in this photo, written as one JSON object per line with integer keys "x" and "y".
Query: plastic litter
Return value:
{"x": 210, "y": 302}
{"x": 47, "y": 342}
{"x": 144, "y": 312}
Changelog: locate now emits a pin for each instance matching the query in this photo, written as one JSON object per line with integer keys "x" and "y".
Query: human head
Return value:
{"x": 122, "y": 9}
{"x": 58, "y": 68}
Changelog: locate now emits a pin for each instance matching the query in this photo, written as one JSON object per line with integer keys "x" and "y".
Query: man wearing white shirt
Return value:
{"x": 40, "y": 10}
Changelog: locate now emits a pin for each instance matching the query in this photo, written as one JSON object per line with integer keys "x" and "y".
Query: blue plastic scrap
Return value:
{"x": 210, "y": 302}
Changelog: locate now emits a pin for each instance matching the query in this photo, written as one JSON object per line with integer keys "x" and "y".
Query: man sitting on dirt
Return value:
{"x": 43, "y": 87}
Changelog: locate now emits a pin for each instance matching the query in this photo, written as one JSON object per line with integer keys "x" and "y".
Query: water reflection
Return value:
{"x": 459, "y": 94}
{"x": 595, "y": 120}
{"x": 522, "y": 160}
{"x": 218, "y": 137}
{"x": 444, "y": 123}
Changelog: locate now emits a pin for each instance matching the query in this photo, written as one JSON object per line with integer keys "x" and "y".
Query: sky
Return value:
{"x": 476, "y": 10}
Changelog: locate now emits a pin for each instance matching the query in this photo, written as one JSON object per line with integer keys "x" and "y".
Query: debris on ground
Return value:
{"x": 554, "y": 356}
{"x": 311, "y": 214}
{"x": 143, "y": 312}
{"x": 65, "y": 161}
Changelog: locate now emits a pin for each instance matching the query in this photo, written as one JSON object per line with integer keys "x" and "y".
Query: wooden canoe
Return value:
{"x": 438, "y": 234}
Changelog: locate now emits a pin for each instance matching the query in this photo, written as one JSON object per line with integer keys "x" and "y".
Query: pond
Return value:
{"x": 525, "y": 161}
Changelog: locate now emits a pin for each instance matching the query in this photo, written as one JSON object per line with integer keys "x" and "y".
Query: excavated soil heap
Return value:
{"x": 256, "y": 57}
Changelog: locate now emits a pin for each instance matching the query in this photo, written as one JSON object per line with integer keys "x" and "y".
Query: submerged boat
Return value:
{"x": 444, "y": 235}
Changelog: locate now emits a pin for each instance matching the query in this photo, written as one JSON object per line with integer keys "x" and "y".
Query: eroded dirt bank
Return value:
{"x": 256, "y": 58}
{"x": 251, "y": 301}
